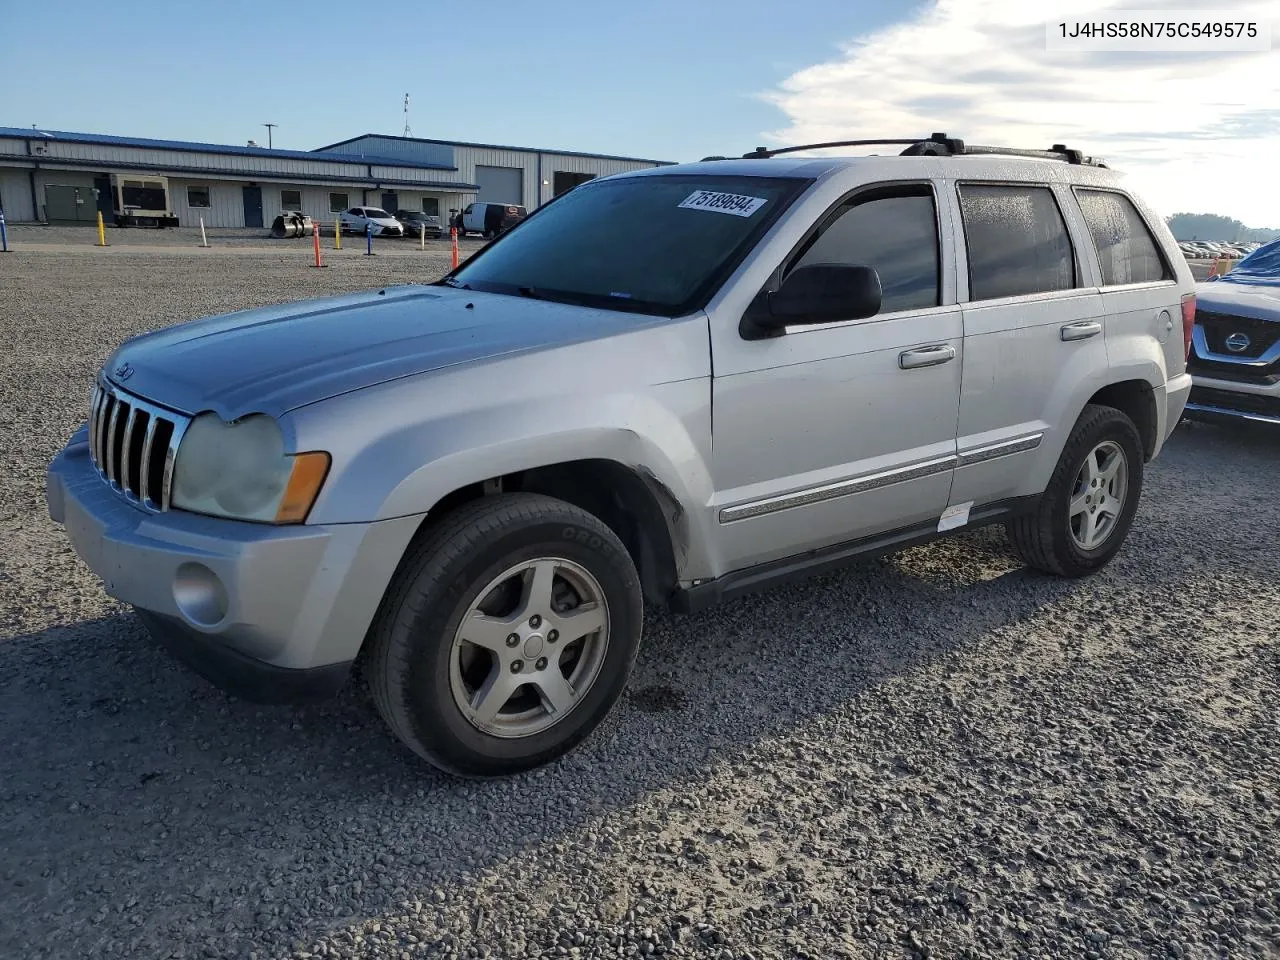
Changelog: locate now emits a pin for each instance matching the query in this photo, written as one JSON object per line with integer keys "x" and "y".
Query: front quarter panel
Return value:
{"x": 641, "y": 399}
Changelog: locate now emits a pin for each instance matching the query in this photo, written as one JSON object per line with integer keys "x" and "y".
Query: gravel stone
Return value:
{"x": 935, "y": 754}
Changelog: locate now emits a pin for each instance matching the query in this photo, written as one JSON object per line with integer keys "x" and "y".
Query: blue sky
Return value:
{"x": 661, "y": 79}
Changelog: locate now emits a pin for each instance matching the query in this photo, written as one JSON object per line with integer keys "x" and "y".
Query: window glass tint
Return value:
{"x": 1127, "y": 252}
{"x": 197, "y": 196}
{"x": 291, "y": 199}
{"x": 1017, "y": 241}
{"x": 646, "y": 243}
{"x": 898, "y": 236}
{"x": 337, "y": 202}
{"x": 431, "y": 206}
{"x": 376, "y": 213}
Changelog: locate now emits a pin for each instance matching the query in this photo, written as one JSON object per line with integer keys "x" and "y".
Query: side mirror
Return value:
{"x": 818, "y": 293}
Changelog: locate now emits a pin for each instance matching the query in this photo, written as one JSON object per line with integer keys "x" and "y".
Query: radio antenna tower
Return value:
{"x": 407, "y": 131}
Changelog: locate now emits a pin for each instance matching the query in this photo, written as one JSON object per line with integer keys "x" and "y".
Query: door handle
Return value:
{"x": 926, "y": 356}
{"x": 1081, "y": 331}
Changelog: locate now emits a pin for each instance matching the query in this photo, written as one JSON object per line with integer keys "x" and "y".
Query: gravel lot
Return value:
{"x": 937, "y": 755}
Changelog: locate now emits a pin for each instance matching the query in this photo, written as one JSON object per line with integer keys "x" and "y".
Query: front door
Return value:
{"x": 390, "y": 203}
{"x": 842, "y": 431}
{"x": 253, "y": 206}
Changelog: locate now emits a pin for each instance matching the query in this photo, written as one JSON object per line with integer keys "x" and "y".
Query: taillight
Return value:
{"x": 1188, "y": 321}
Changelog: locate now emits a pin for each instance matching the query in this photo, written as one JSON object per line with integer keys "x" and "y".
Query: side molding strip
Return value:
{"x": 841, "y": 488}
{"x": 1002, "y": 449}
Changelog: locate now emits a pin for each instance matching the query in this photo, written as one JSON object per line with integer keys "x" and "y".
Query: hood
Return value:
{"x": 1255, "y": 301}
{"x": 384, "y": 221}
{"x": 274, "y": 359}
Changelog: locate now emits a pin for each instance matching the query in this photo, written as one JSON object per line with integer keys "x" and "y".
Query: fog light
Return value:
{"x": 199, "y": 594}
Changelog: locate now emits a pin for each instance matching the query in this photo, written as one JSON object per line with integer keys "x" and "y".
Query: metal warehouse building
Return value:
{"x": 57, "y": 177}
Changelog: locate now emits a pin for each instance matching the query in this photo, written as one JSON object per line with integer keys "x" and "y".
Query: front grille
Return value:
{"x": 1262, "y": 334}
{"x": 1233, "y": 371}
{"x": 134, "y": 444}
{"x": 1244, "y": 402}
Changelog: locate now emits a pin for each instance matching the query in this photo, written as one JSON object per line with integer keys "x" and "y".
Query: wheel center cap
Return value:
{"x": 533, "y": 646}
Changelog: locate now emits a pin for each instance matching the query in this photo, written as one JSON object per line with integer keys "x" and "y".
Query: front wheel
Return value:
{"x": 1086, "y": 511}
{"x": 507, "y": 636}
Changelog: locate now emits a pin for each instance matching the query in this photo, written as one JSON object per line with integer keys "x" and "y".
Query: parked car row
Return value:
{"x": 487, "y": 219}
{"x": 1214, "y": 249}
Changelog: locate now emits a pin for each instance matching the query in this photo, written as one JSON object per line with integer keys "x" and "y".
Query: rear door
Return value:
{"x": 1034, "y": 344}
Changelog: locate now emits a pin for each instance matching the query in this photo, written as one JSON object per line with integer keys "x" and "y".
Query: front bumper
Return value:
{"x": 1227, "y": 400}
{"x": 269, "y": 613}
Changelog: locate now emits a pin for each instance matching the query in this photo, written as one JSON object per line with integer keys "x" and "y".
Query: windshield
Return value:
{"x": 646, "y": 244}
{"x": 373, "y": 213}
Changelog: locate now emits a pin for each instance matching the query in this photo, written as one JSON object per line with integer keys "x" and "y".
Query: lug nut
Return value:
{"x": 517, "y": 666}
{"x": 553, "y": 636}
{"x": 512, "y": 639}
{"x": 542, "y": 663}
{"x": 535, "y": 621}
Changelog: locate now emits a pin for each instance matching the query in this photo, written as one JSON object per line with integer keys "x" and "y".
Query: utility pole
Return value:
{"x": 269, "y": 126}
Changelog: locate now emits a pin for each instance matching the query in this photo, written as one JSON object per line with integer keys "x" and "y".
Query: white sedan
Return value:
{"x": 358, "y": 220}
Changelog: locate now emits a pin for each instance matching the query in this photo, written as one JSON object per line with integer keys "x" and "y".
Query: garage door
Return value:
{"x": 500, "y": 184}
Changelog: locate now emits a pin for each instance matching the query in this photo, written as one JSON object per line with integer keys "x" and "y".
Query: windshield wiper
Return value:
{"x": 455, "y": 283}
{"x": 533, "y": 293}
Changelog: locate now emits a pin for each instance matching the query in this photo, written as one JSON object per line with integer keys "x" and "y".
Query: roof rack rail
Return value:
{"x": 938, "y": 145}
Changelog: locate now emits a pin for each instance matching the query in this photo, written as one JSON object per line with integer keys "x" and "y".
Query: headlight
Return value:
{"x": 240, "y": 470}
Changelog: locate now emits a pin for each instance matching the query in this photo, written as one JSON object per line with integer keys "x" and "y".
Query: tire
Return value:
{"x": 1056, "y": 540}
{"x": 427, "y": 679}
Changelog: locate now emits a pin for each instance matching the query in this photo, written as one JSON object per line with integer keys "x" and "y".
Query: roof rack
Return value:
{"x": 936, "y": 145}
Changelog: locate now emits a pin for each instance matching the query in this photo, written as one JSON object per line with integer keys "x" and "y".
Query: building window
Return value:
{"x": 337, "y": 202}
{"x": 197, "y": 196}
{"x": 431, "y": 206}
{"x": 290, "y": 199}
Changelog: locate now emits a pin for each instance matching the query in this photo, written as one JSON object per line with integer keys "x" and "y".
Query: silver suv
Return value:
{"x": 669, "y": 386}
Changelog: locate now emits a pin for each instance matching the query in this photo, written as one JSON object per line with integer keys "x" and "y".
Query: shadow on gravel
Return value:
{"x": 129, "y": 785}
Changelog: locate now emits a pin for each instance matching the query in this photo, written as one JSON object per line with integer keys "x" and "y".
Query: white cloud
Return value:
{"x": 1194, "y": 132}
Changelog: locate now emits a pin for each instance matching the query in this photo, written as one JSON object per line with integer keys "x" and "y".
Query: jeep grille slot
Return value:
{"x": 133, "y": 445}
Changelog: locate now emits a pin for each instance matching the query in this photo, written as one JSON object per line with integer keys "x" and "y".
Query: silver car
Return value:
{"x": 674, "y": 386}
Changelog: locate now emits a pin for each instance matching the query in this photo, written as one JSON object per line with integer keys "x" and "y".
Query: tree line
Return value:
{"x": 1211, "y": 226}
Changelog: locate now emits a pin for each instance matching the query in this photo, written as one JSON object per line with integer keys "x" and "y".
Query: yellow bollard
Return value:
{"x": 102, "y": 233}
{"x": 337, "y": 235}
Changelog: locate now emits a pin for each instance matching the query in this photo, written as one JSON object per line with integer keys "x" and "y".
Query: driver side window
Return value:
{"x": 896, "y": 234}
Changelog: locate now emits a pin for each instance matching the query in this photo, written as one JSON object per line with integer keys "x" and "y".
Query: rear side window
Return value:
{"x": 1017, "y": 241}
{"x": 897, "y": 235}
{"x": 1127, "y": 252}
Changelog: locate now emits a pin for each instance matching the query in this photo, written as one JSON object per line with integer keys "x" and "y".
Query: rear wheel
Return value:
{"x": 1088, "y": 507}
{"x": 507, "y": 636}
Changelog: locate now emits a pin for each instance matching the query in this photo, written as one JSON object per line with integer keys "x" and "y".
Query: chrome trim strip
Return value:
{"x": 170, "y": 458}
{"x": 111, "y": 442}
{"x": 1003, "y": 449}
{"x": 1201, "y": 343}
{"x": 144, "y": 482}
{"x": 1228, "y": 412}
{"x": 125, "y": 442}
{"x": 841, "y": 488}
{"x": 94, "y": 404}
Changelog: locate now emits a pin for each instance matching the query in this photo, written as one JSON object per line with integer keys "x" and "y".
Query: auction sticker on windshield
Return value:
{"x": 734, "y": 203}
